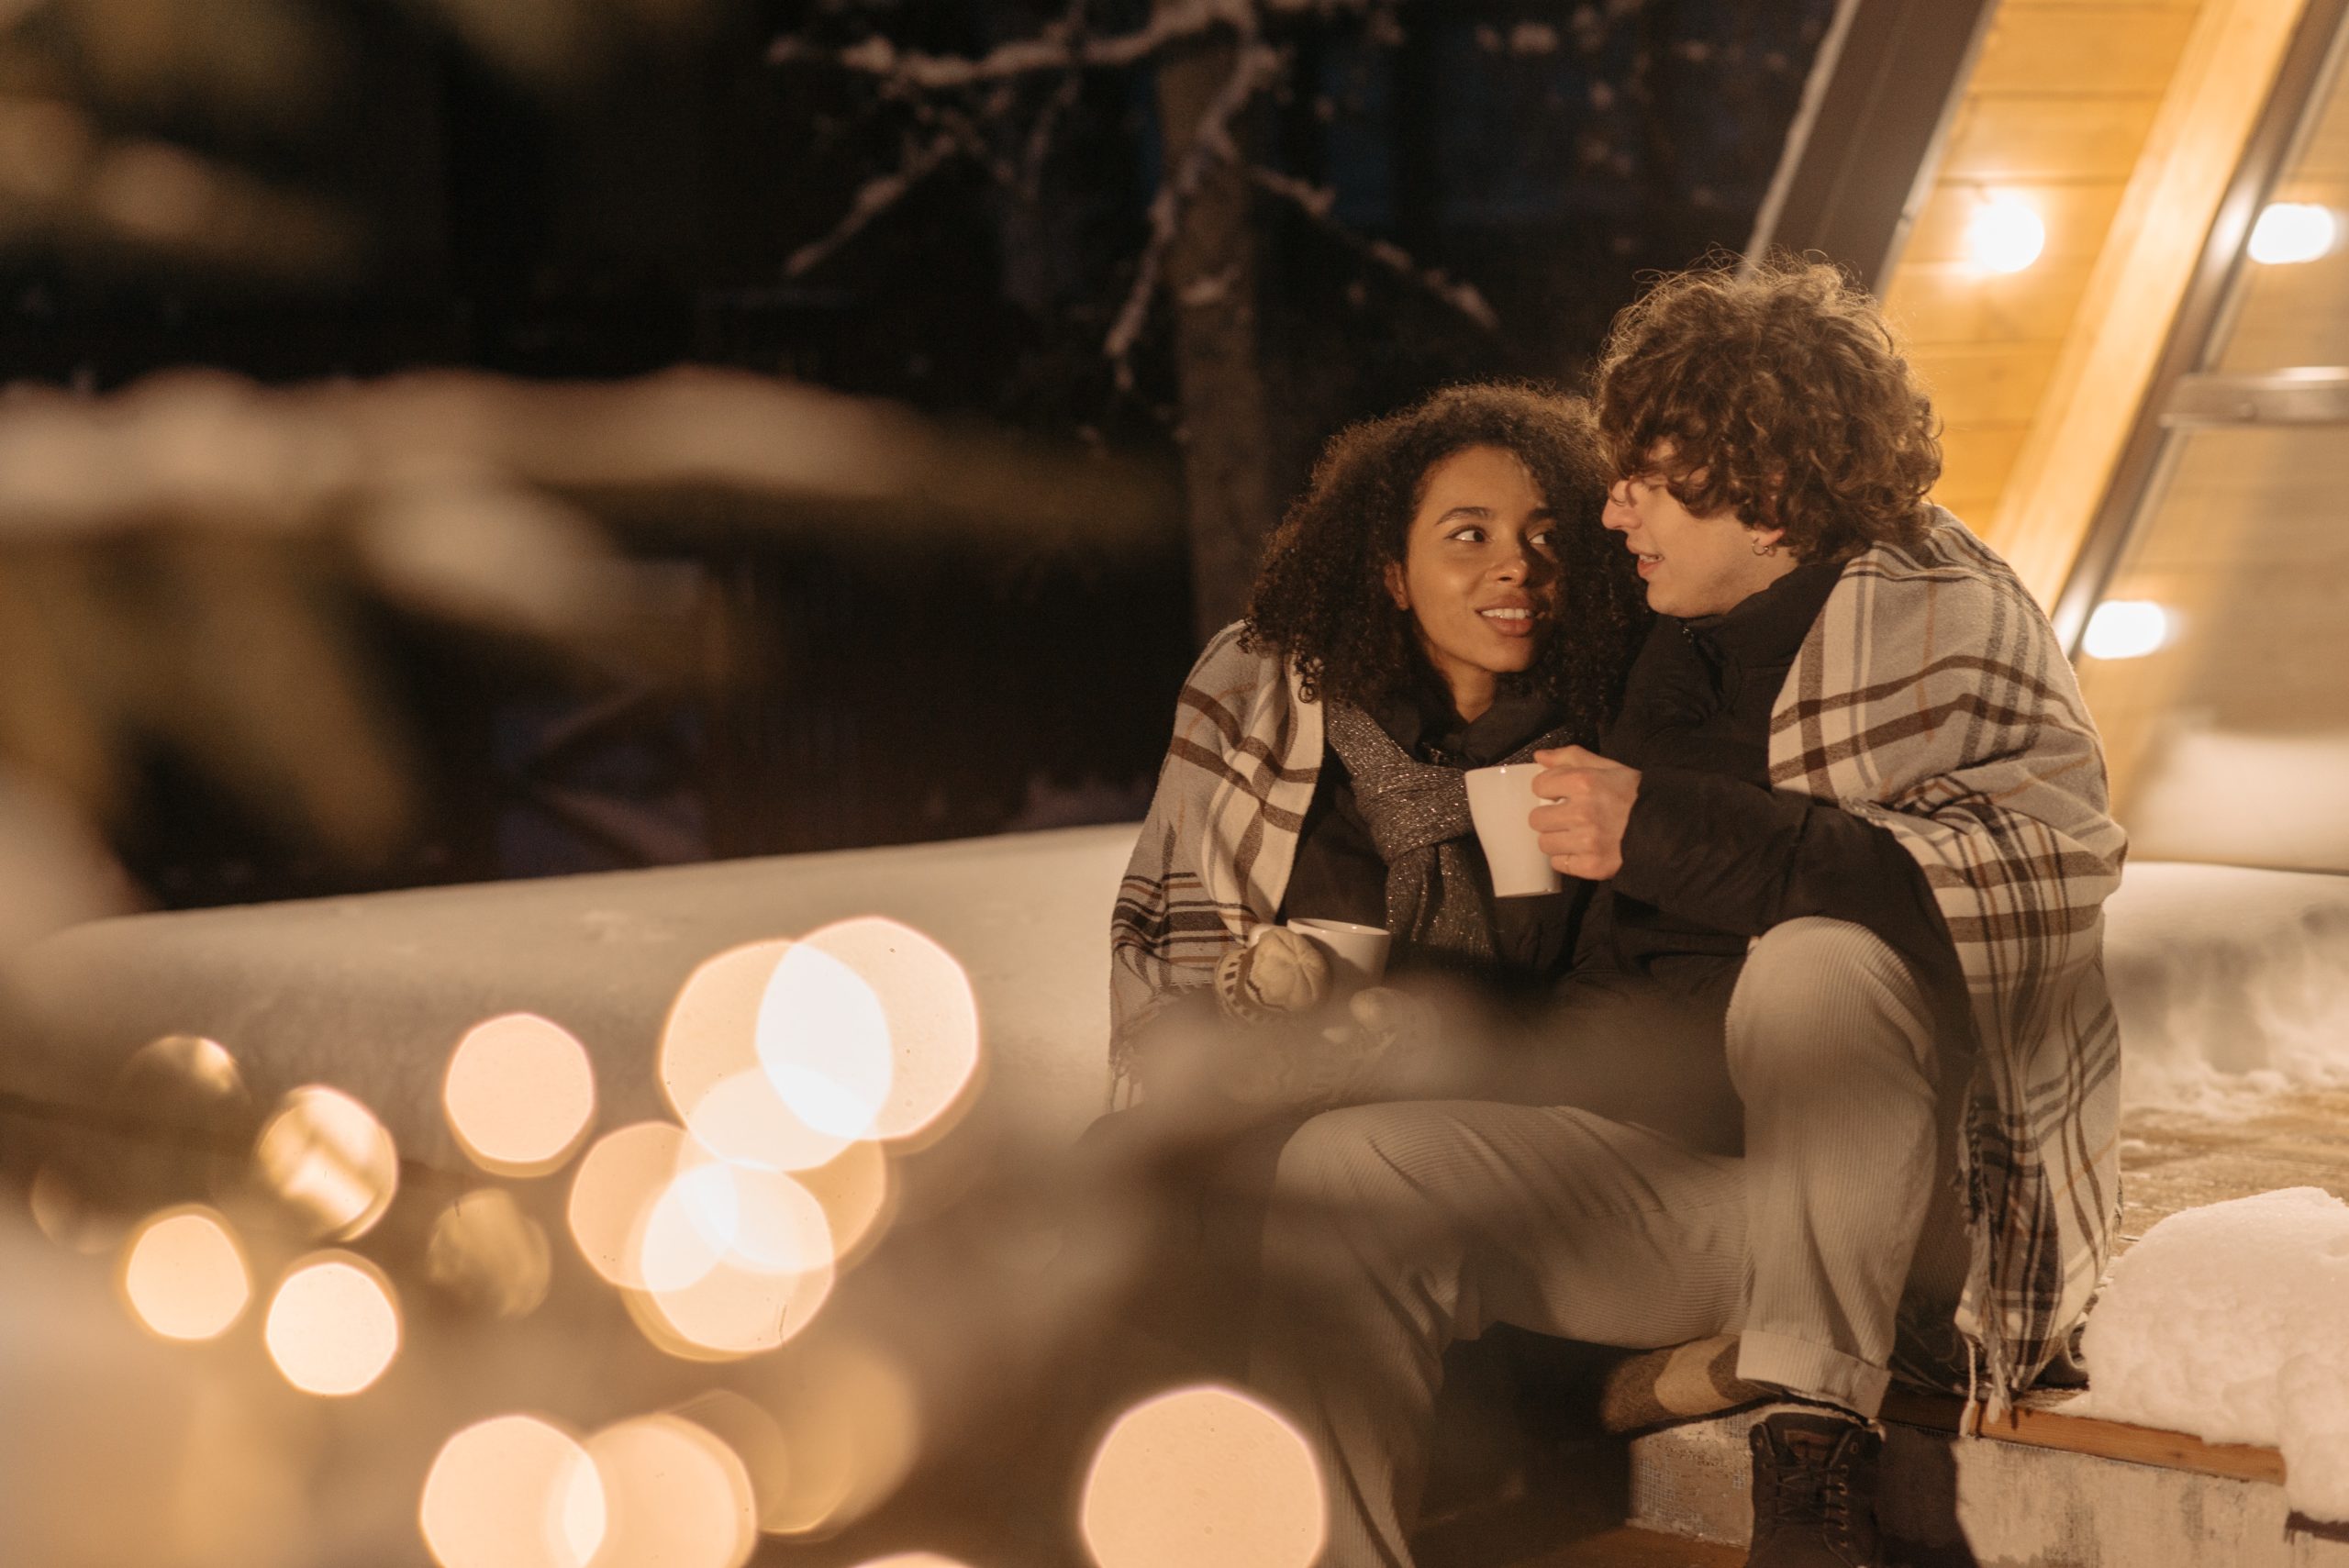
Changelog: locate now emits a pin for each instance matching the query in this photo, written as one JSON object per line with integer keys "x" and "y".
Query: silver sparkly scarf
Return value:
{"x": 1438, "y": 892}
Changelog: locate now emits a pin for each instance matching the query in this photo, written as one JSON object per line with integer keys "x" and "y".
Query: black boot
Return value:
{"x": 1814, "y": 1493}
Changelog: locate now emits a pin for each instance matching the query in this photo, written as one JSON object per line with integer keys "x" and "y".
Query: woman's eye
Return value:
{"x": 1471, "y": 535}
{"x": 1547, "y": 539}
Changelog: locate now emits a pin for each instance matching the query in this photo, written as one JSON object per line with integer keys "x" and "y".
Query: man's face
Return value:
{"x": 1694, "y": 565}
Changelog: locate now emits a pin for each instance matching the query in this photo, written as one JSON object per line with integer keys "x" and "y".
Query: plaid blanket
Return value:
{"x": 1931, "y": 697}
{"x": 1215, "y": 852}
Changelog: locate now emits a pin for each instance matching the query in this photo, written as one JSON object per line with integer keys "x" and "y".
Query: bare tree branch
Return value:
{"x": 877, "y": 196}
{"x": 1057, "y": 48}
{"x": 1258, "y": 67}
{"x": 1319, "y": 203}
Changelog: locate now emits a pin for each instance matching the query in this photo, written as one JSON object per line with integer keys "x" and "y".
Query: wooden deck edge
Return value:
{"x": 2089, "y": 1435}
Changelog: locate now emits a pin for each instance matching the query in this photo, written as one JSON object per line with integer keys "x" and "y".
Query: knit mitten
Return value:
{"x": 1278, "y": 973}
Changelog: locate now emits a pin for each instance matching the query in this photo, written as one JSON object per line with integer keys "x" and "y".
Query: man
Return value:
{"x": 1851, "y": 835}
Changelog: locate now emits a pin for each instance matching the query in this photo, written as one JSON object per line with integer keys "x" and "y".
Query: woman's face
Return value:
{"x": 1479, "y": 573}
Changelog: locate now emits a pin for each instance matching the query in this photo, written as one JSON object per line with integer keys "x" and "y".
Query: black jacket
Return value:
{"x": 1712, "y": 855}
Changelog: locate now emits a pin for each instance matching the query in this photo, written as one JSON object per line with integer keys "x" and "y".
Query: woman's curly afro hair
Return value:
{"x": 1784, "y": 398}
{"x": 1321, "y": 599}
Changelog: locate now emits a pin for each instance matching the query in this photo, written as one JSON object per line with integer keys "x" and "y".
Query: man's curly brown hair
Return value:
{"x": 1785, "y": 397}
{"x": 1321, "y": 597}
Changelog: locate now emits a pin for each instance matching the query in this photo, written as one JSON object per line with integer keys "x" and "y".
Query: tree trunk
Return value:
{"x": 1210, "y": 278}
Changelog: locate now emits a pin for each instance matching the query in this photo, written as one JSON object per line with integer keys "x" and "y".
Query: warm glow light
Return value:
{"x": 853, "y": 1192}
{"x": 2006, "y": 234}
{"x": 695, "y": 1222}
{"x": 68, "y": 1218}
{"x": 519, "y": 1093}
{"x": 619, "y": 1182}
{"x": 710, "y": 1072}
{"x": 488, "y": 1253}
{"x": 185, "y": 1275}
{"x": 2294, "y": 231}
{"x": 1203, "y": 1475}
{"x": 512, "y": 1492}
{"x": 732, "y": 1311}
{"x": 931, "y": 1015}
{"x": 847, "y": 1426}
{"x": 181, "y": 1066}
{"x": 824, "y": 1042}
{"x": 329, "y": 1157}
{"x": 332, "y": 1327}
{"x": 675, "y": 1496}
{"x": 756, "y": 1440}
{"x": 2125, "y": 629}
{"x": 915, "y": 1559}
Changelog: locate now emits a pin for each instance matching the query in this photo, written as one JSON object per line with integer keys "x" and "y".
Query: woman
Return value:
{"x": 1441, "y": 597}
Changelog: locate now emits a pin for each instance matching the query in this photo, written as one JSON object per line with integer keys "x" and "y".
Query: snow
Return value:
{"x": 2231, "y": 1322}
{"x": 2229, "y": 981}
{"x": 371, "y": 995}
{"x": 2232, "y": 984}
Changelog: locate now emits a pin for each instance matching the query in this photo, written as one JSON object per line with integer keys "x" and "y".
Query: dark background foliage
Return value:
{"x": 641, "y": 208}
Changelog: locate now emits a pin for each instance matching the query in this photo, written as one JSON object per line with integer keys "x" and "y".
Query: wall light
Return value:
{"x": 2125, "y": 629}
{"x": 2006, "y": 234}
{"x": 2294, "y": 231}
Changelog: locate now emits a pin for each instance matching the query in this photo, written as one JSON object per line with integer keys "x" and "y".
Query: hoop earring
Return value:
{"x": 1761, "y": 549}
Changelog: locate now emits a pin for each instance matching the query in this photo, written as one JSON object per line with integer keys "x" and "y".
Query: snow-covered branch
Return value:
{"x": 1059, "y": 47}
{"x": 1319, "y": 203}
{"x": 1259, "y": 66}
{"x": 877, "y": 196}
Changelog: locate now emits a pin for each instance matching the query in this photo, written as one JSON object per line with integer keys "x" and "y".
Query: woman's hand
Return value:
{"x": 1582, "y": 828}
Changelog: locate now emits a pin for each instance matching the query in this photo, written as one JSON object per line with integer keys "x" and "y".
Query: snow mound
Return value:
{"x": 2232, "y": 984}
{"x": 2231, "y": 1322}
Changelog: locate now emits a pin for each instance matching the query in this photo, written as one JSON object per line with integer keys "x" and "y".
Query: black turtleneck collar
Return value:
{"x": 1766, "y": 628}
{"x": 1422, "y": 720}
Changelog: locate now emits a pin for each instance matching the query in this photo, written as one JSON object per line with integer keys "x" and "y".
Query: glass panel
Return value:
{"x": 2230, "y": 742}
{"x": 2296, "y": 313}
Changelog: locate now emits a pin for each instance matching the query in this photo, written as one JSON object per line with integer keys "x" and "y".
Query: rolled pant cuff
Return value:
{"x": 1815, "y": 1372}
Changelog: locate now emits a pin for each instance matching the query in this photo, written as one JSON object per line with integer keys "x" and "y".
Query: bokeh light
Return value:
{"x": 732, "y": 1311}
{"x": 851, "y": 1426}
{"x": 66, "y": 1217}
{"x": 2291, "y": 232}
{"x": 333, "y": 1326}
{"x": 756, "y": 1440}
{"x": 182, "y": 1067}
{"x": 329, "y": 1160}
{"x": 710, "y": 1072}
{"x": 932, "y": 1017}
{"x": 512, "y": 1492}
{"x": 519, "y": 1093}
{"x": 489, "y": 1254}
{"x": 1203, "y": 1475}
{"x": 185, "y": 1275}
{"x": 2125, "y": 629}
{"x": 2006, "y": 234}
{"x": 623, "y": 1176}
{"x": 824, "y": 1042}
{"x": 854, "y": 1190}
{"x": 674, "y": 1497}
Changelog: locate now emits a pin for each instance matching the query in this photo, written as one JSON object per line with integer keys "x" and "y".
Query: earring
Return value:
{"x": 1761, "y": 549}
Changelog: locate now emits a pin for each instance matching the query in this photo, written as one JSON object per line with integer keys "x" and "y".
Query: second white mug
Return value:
{"x": 1500, "y": 802}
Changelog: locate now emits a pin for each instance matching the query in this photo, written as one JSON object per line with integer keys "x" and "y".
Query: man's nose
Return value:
{"x": 1618, "y": 513}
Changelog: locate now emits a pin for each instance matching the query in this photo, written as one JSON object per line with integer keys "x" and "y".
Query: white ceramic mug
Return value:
{"x": 1501, "y": 802}
{"x": 1357, "y": 952}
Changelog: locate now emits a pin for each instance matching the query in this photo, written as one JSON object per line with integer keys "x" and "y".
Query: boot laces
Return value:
{"x": 1812, "y": 1492}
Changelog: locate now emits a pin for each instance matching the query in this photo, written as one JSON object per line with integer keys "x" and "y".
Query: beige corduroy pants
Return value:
{"x": 1396, "y": 1228}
